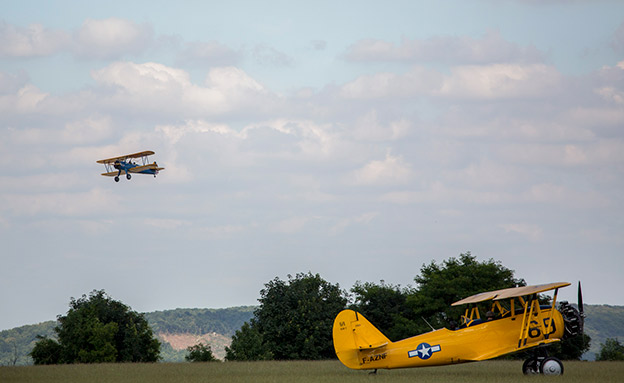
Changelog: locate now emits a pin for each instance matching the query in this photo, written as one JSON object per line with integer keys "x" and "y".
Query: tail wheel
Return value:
{"x": 551, "y": 366}
{"x": 529, "y": 367}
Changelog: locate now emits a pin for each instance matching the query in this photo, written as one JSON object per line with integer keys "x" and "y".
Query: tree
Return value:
{"x": 248, "y": 344}
{"x": 294, "y": 320}
{"x": 98, "y": 329}
{"x": 385, "y": 306}
{"x": 571, "y": 348}
{"x": 46, "y": 351}
{"x": 456, "y": 278}
{"x": 200, "y": 353}
{"x": 611, "y": 349}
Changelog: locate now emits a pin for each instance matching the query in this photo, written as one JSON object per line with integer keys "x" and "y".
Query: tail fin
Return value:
{"x": 352, "y": 333}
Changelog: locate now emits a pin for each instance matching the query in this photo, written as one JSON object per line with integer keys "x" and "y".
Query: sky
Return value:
{"x": 358, "y": 140}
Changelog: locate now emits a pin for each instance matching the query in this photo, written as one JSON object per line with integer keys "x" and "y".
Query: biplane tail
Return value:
{"x": 352, "y": 333}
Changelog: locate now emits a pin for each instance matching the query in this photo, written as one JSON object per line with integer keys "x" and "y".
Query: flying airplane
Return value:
{"x": 514, "y": 322}
{"x": 125, "y": 164}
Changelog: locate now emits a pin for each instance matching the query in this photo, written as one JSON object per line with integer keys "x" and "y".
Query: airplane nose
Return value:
{"x": 572, "y": 318}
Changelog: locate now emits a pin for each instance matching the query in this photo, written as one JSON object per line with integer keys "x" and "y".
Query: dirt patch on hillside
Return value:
{"x": 217, "y": 342}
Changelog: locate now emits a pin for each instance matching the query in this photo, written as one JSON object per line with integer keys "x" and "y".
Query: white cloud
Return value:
{"x": 167, "y": 224}
{"x": 552, "y": 193}
{"x": 417, "y": 81}
{"x": 267, "y": 55}
{"x": 611, "y": 94}
{"x": 344, "y": 224}
{"x": 47, "y": 182}
{"x": 210, "y": 53}
{"x": 490, "y": 82}
{"x": 26, "y": 100}
{"x": 491, "y": 48}
{"x": 165, "y": 90}
{"x": 369, "y": 127}
{"x": 11, "y": 83}
{"x": 392, "y": 170}
{"x": 617, "y": 42}
{"x": 87, "y": 131}
{"x": 32, "y": 41}
{"x": 532, "y": 232}
{"x": 501, "y": 81}
{"x": 72, "y": 204}
{"x": 290, "y": 225}
{"x": 96, "y": 39}
{"x": 111, "y": 38}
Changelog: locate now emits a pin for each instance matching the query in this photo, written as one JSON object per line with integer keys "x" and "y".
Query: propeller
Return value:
{"x": 580, "y": 299}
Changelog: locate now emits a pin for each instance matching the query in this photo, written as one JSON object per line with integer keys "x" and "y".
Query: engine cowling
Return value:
{"x": 572, "y": 318}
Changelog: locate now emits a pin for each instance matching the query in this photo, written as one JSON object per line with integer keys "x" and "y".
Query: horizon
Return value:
{"x": 356, "y": 140}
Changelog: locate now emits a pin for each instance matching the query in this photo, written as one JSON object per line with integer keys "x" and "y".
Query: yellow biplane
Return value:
{"x": 514, "y": 322}
{"x": 125, "y": 164}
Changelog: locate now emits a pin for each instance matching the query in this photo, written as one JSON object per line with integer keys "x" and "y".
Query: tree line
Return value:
{"x": 294, "y": 319}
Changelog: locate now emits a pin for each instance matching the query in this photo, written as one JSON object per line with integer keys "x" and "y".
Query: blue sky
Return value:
{"x": 357, "y": 140}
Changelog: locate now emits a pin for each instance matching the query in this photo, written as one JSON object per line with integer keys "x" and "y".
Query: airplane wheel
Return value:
{"x": 551, "y": 366}
{"x": 128, "y": 176}
{"x": 529, "y": 367}
{"x": 116, "y": 179}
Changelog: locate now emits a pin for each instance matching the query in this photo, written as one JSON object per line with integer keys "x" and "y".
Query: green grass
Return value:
{"x": 302, "y": 372}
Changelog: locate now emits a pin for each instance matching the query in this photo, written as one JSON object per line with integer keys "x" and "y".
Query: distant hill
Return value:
{"x": 602, "y": 322}
{"x": 181, "y": 328}
{"x": 177, "y": 329}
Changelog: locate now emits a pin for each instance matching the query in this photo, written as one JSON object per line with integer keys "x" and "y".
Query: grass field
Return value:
{"x": 302, "y": 372}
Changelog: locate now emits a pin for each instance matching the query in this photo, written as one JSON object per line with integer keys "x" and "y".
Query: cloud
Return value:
{"x": 290, "y": 225}
{"x": 111, "y": 38}
{"x": 26, "y": 100}
{"x": 68, "y": 204}
{"x": 161, "y": 89}
{"x": 416, "y": 82}
{"x": 369, "y": 127}
{"x": 501, "y": 81}
{"x": 345, "y": 223}
{"x": 318, "y": 45}
{"x": 211, "y": 53}
{"x": 392, "y": 170}
{"x": 489, "y": 82}
{"x": 617, "y": 41}
{"x": 532, "y": 232}
{"x": 267, "y": 55}
{"x": 491, "y": 48}
{"x": 32, "y": 41}
{"x": 167, "y": 224}
{"x": 11, "y": 83}
{"x": 87, "y": 131}
{"x": 561, "y": 195}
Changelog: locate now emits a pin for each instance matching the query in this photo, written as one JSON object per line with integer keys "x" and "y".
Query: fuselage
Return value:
{"x": 479, "y": 341}
{"x": 125, "y": 167}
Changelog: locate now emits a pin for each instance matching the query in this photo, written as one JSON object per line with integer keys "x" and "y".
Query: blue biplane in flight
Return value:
{"x": 126, "y": 165}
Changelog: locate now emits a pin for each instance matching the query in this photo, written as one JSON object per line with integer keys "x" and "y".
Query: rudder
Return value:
{"x": 352, "y": 333}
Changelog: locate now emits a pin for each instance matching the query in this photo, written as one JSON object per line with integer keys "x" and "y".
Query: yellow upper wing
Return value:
{"x": 510, "y": 293}
{"x": 134, "y": 155}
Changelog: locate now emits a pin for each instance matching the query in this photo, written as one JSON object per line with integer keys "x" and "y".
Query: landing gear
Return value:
{"x": 551, "y": 366}
{"x": 128, "y": 176}
{"x": 546, "y": 365}
{"x": 530, "y": 367}
{"x": 116, "y": 178}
